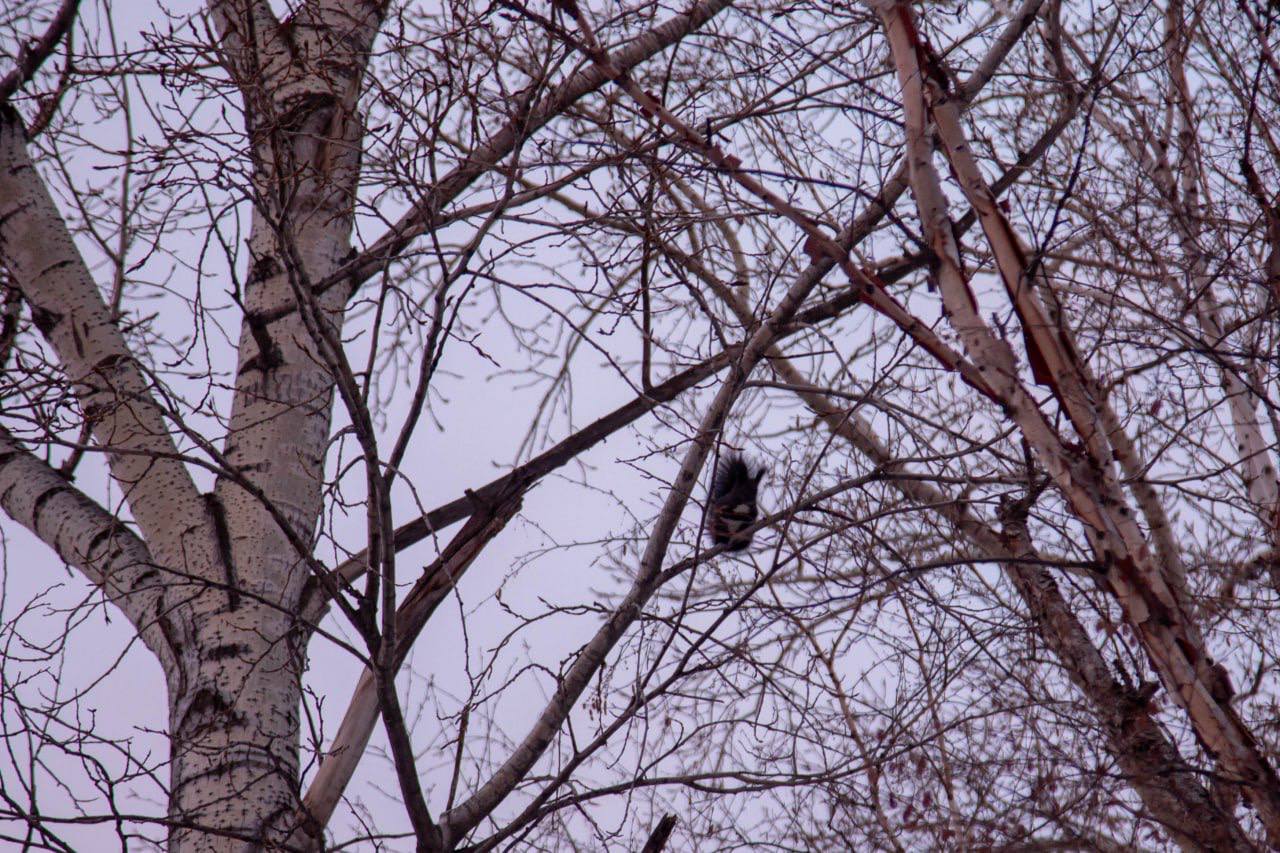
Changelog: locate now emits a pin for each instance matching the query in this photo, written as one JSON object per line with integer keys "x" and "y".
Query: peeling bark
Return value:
{"x": 1151, "y": 603}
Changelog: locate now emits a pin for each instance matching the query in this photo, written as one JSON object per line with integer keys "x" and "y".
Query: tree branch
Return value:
{"x": 438, "y": 579}
{"x": 113, "y": 391}
{"x": 88, "y": 537}
{"x": 462, "y": 819}
{"x": 32, "y": 55}
{"x": 1151, "y": 604}
{"x": 427, "y": 213}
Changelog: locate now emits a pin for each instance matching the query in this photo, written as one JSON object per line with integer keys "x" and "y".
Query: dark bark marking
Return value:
{"x": 44, "y": 319}
{"x": 43, "y": 498}
{"x": 208, "y": 703}
{"x": 109, "y": 362}
{"x": 225, "y": 651}
{"x": 219, "y": 516}
{"x": 56, "y": 265}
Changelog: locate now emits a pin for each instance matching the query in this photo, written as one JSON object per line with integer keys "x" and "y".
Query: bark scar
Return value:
{"x": 219, "y": 516}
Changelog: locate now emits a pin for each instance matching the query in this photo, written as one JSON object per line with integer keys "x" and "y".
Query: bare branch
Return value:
{"x": 1152, "y": 607}
{"x": 114, "y": 393}
{"x": 31, "y": 56}
{"x": 88, "y": 537}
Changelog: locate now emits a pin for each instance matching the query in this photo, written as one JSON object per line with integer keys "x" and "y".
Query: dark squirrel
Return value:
{"x": 732, "y": 507}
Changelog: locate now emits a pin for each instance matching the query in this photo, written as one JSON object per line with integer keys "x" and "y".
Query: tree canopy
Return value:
{"x": 366, "y": 365}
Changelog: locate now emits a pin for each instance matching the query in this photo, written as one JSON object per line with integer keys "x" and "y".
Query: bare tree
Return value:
{"x": 989, "y": 291}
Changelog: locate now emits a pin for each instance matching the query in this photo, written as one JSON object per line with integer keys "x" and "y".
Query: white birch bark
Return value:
{"x": 306, "y": 85}
{"x": 216, "y": 585}
{"x": 85, "y": 535}
{"x": 111, "y": 386}
{"x": 235, "y": 722}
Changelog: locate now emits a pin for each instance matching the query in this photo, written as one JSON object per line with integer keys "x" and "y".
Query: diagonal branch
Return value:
{"x": 461, "y": 820}
{"x": 88, "y": 537}
{"x": 438, "y": 579}
{"x": 1168, "y": 787}
{"x": 528, "y": 474}
{"x": 32, "y": 55}
{"x": 415, "y": 531}
{"x": 649, "y": 577}
{"x": 114, "y": 393}
{"x": 428, "y": 212}
{"x": 1152, "y": 605}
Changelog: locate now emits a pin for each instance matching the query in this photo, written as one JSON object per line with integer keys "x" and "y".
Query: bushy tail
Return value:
{"x": 733, "y": 506}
